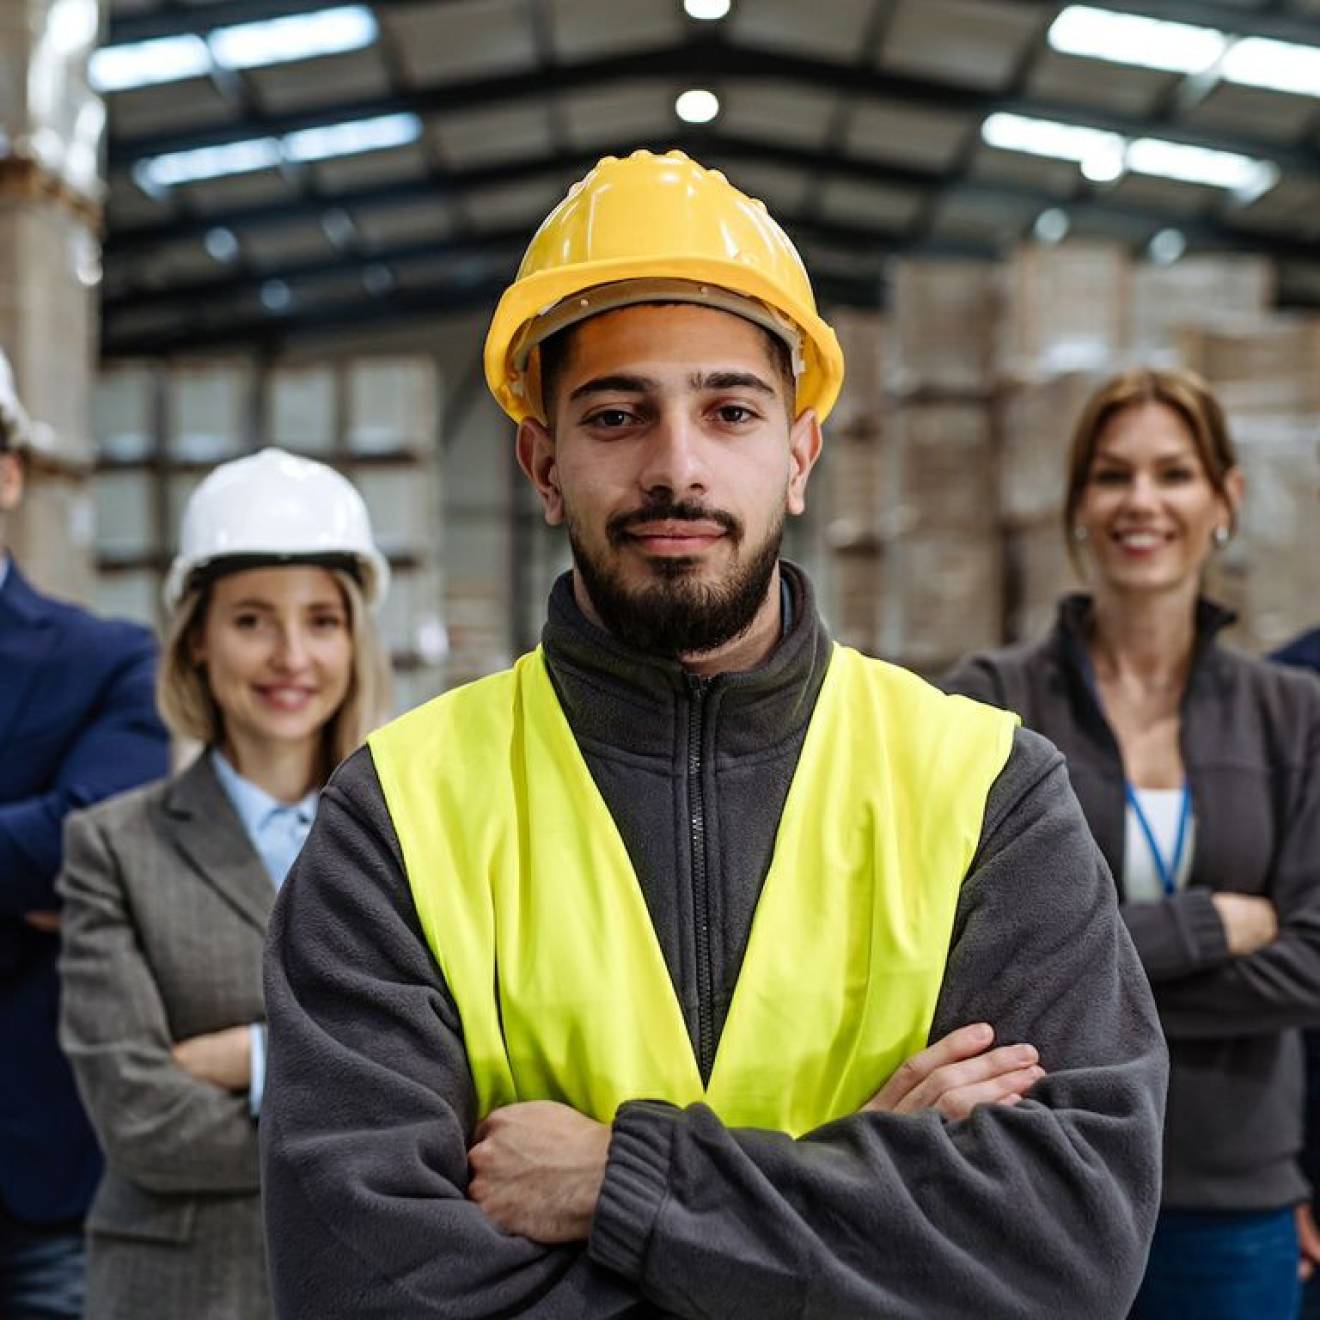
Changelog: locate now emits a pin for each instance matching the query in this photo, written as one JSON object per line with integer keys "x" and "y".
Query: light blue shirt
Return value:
{"x": 278, "y": 831}
{"x": 4, "y": 568}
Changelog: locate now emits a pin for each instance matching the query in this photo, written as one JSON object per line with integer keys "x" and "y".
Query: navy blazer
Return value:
{"x": 78, "y": 723}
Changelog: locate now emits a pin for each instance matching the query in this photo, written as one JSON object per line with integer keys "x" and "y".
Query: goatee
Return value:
{"x": 677, "y": 614}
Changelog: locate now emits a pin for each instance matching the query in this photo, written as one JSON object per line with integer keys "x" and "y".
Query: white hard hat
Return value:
{"x": 15, "y": 428}
{"x": 276, "y": 508}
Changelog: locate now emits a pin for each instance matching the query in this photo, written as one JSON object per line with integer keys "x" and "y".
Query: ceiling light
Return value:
{"x": 1046, "y": 137}
{"x": 242, "y": 46}
{"x": 353, "y": 137}
{"x": 1244, "y": 176}
{"x": 1167, "y": 246}
{"x": 144, "y": 63}
{"x": 1052, "y": 226}
{"x": 222, "y": 245}
{"x": 1104, "y": 156}
{"x": 697, "y": 106}
{"x": 1280, "y": 65}
{"x": 1149, "y": 43}
{"x": 276, "y": 296}
{"x": 297, "y": 37}
{"x": 159, "y": 172}
{"x": 707, "y": 10}
{"x": 378, "y": 279}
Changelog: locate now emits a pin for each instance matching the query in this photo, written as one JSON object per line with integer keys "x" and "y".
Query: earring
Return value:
{"x": 1079, "y": 532}
{"x": 1221, "y": 537}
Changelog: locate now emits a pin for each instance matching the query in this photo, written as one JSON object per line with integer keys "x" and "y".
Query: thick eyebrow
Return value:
{"x": 614, "y": 385}
{"x": 730, "y": 380}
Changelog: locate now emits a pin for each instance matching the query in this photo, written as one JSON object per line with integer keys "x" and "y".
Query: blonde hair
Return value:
{"x": 183, "y": 694}
{"x": 1176, "y": 388}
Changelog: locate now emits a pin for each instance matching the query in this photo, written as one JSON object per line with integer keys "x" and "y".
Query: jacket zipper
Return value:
{"x": 700, "y": 881}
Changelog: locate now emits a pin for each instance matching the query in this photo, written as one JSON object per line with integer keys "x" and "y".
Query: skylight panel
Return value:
{"x": 146, "y": 63}
{"x": 160, "y": 172}
{"x": 241, "y": 46}
{"x": 352, "y": 138}
{"x": 1103, "y": 156}
{"x": 297, "y": 37}
{"x": 1282, "y": 66}
{"x": 1148, "y": 43}
{"x": 1245, "y": 176}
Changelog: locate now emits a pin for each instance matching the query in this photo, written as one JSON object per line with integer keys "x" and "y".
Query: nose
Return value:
{"x": 674, "y": 457}
{"x": 291, "y": 653}
{"x": 1142, "y": 492}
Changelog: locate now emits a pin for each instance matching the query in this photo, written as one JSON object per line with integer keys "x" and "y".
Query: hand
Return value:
{"x": 46, "y": 922}
{"x": 537, "y": 1170}
{"x": 1250, "y": 922}
{"x": 1308, "y": 1241}
{"x": 221, "y": 1058}
{"x": 958, "y": 1073}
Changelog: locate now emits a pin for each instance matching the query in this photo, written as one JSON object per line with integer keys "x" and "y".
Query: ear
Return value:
{"x": 536, "y": 457}
{"x": 11, "y": 481}
{"x": 1235, "y": 487}
{"x": 804, "y": 441}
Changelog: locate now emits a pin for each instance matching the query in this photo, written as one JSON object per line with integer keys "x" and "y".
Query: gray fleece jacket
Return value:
{"x": 1042, "y": 1210}
{"x": 1250, "y": 742}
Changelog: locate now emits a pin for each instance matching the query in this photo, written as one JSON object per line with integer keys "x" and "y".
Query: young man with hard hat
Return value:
{"x": 607, "y": 985}
{"x": 77, "y": 724}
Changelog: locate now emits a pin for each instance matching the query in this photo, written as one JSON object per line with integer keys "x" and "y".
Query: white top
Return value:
{"x": 1141, "y": 877}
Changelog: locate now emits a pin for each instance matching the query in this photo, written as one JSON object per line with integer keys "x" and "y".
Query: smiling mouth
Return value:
{"x": 1141, "y": 541}
{"x": 285, "y": 697}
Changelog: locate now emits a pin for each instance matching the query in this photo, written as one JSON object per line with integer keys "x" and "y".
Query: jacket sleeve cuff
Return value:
{"x": 1202, "y": 929}
{"x": 636, "y": 1181}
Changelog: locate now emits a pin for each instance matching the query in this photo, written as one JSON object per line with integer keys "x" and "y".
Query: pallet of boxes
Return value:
{"x": 914, "y": 545}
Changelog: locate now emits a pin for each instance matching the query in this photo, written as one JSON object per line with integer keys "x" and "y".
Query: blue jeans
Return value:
{"x": 42, "y": 1270}
{"x": 1215, "y": 1265}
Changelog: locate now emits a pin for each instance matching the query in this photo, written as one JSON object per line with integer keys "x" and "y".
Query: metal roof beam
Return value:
{"x": 704, "y": 55}
{"x": 1203, "y": 232}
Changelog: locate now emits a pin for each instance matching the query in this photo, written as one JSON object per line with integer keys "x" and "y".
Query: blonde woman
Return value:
{"x": 271, "y": 663}
{"x": 1198, "y": 769}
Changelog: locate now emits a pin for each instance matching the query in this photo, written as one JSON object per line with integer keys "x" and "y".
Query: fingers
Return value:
{"x": 963, "y": 1043}
{"x": 1008, "y": 1088}
{"x": 1009, "y": 1061}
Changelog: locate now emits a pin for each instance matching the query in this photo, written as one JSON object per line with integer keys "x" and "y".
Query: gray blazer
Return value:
{"x": 165, "y": 911}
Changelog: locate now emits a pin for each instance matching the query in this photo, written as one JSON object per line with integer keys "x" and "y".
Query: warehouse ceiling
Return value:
{"x": 397, "y": 163}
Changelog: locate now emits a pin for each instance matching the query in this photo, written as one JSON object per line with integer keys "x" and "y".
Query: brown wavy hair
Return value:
{"x": 1175, "y": 387}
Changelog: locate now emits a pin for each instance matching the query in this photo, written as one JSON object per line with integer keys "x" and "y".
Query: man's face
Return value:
{"x": 673, "y": 458}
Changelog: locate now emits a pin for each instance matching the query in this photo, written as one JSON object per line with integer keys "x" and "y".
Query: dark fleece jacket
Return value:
{"x": 1040, "y": 1210}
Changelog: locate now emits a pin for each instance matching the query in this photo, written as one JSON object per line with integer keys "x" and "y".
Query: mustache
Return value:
{"x": 618, "y": 527}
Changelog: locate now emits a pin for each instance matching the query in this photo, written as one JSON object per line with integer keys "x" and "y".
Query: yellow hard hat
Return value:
{"x": 657, "y": 228}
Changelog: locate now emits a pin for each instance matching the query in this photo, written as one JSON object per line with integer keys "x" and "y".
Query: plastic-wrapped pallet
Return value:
{"x": 1268, "y": 574}
{"x": 853, "y": 466}
{"x": 1038, "y": 571}
{"x": 944, "y": 326}
{"x": 1035, "y": 423}
{"x": 392, "y": 406}
{"x": 857, "y": 576}
{"x": 941, "y": 470}
{"x": 1258, "y": 365}
{"x": 941, "y": 596}
{"x": 1065, "y": 309}
{"x": 864, "y": 338}
{"x": 209, "y": 411}
{"x": 301, "y": 406}
{"x": 1167, "y": 299}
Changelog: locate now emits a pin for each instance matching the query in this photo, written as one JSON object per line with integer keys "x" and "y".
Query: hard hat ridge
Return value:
{"x": 657, "y": 227}
{"x": 273, "y": 508}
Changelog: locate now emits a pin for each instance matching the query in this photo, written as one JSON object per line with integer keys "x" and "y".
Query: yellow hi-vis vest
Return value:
{"x": 530, "y": 904}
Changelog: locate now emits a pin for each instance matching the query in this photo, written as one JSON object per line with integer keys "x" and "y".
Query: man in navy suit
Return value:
{"x": 77, "y": 724}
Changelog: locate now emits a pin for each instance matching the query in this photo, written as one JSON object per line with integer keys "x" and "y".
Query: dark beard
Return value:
{"x": 676, "y": 614}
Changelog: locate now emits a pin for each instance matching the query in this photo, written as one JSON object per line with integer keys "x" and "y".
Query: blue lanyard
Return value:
{"x": 1167, "y": 871}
